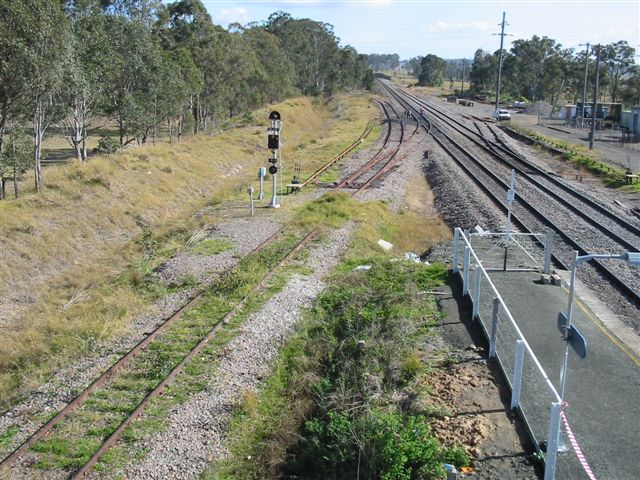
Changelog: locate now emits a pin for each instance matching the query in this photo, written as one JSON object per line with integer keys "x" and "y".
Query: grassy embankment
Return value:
{"x": 583, "y": 158}
{"x": 77, "y": 258}
{"x": 349, "y": 395}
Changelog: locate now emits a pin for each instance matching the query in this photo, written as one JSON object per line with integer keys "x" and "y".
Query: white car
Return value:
{"x": 502, "y": 115}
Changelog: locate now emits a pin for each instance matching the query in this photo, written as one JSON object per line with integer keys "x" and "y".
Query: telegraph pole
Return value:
{"x": 464, "y": 67}
{"x": 594, "y": 109}
{"x": 502, "y": 34}
{"x": 584, "y": 87}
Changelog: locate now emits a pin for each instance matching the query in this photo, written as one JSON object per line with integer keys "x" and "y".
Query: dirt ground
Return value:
{"x": 471, "y": 390}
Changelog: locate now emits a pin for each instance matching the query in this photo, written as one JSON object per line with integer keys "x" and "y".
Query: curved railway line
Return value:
{"x": 380, "y": 164}
{"x": 583, "y": 224}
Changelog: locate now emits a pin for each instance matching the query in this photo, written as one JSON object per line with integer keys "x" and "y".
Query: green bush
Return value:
{"x": 376, "y": 443}
{"x": 107, "y": 145}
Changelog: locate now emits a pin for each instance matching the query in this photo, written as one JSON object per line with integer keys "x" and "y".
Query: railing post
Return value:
{"x": 517, "y": 374}
{"x": 456, "y": 240}
{"x": 548, "y": 248}
{"x": 552, "y": 442}
{"x": 476, "y": 293}
{"x": 465, "y": 270}
{"x": 495, "y": 309}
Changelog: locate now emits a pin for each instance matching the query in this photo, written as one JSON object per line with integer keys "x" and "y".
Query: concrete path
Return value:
{"x": 603, "y": 390}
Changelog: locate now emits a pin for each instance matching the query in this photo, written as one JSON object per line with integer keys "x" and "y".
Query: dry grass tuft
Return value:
{"x": 75, "y": 256}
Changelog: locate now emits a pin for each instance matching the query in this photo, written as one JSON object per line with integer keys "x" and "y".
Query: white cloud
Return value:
{"x": 453, "y": 26}
{"x": 373, "y": 3}
{"x": 231, "y": 15}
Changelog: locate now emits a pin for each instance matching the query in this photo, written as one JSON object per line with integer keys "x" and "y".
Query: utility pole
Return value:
{"x": 464, "y": 67}
{"x": 594, "y": 109}
{"x": 584, "y": 87}
{"x": 502, "y": 34}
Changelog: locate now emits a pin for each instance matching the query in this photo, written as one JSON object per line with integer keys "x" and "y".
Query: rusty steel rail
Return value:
{"x": 340, "y": 156}
{"x": 121, "y": 363}
{"x": 390, "y": 158}
{"x": 115, "y": 436}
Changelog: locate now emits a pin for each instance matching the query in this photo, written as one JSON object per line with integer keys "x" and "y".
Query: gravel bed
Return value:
{"x": 68, "y": 382}
{"x": 392, "y": 185}
{"x": 197, "y": 428}
{"x": 196, "y": 435}
{"x": 628, "y": 312}
{"x": 460, "y": 203}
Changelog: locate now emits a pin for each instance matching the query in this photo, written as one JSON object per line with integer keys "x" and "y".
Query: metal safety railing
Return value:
{"x": 533, "y": 395}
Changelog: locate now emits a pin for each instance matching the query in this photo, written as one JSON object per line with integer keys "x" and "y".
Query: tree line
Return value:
{"x": 142, "y": 64}
{"x": 540, "y": 69}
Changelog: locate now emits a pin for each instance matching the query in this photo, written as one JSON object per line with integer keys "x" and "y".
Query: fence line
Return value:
{"x": 532, "y": 391}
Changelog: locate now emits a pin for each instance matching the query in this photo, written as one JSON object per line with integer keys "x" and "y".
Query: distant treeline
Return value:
{"x": 142, "y": 63}
{"x": 539, "y": 69}
{"x": 384, "y": 61}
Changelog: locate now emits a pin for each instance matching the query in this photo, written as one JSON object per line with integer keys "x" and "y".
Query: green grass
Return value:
{"x": 211, "y": 246}
{"x": 7, "y": 436}
{"x": 357, "y": 347}
{"x": 584, "y": 158}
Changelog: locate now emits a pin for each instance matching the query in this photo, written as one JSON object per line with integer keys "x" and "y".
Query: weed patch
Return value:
{"x": 211, "y": 246}
{"x": 582, "y": 157}
{"x": 336, "y": 406}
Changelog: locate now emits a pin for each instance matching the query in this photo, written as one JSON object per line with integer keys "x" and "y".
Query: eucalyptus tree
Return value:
{"x": 184, "y": 79}
{"x": 311, "y": 46}
{"x": 137, "y": 83}
{"x": 616, "y": 58}
{"x": 187, "y": 25}
{"x": 88, "y": 73}
{"x": 15, "y": 161}
{"x": 630, "y": 90}
{"x": 484, "y": 72}
{"x": 432, "y": 71}
{"x": 274, "y": 76}
{"x": 414, "y": 66}
{"x": 532, "y": 60}
{"x": 39, "y": 39}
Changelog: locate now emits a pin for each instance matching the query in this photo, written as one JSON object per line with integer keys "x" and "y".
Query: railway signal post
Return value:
{"x": 273, "y": 143}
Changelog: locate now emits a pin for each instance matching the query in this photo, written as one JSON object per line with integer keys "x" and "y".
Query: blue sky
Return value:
{"x": 453, "y": 29}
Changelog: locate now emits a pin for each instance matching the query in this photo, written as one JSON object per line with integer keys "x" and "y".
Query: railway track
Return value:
{"x": 387, "y": 157}
{"x": 587, "y": 225}
{"x": 193, "y": 341}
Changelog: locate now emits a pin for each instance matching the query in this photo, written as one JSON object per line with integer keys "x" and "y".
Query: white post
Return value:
{"x": 476, "y": 293}
{"x": 552, "y": 442}
{"x": 548, "y": 248}
{"x": 274, "y": 196}
{"x": 563, "y": 371}
{"x": 261, "y": 174}
{"x": 465, "y": 270}
{"x": 494, "y": 327}
{"x": 517, "y": 374}
{"x": 456, "y": 240}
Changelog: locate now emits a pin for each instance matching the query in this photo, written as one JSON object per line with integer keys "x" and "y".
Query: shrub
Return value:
{"x": 107, "y": 145}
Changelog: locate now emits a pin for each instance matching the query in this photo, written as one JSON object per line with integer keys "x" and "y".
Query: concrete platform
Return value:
{"x": 603, "y": 390}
